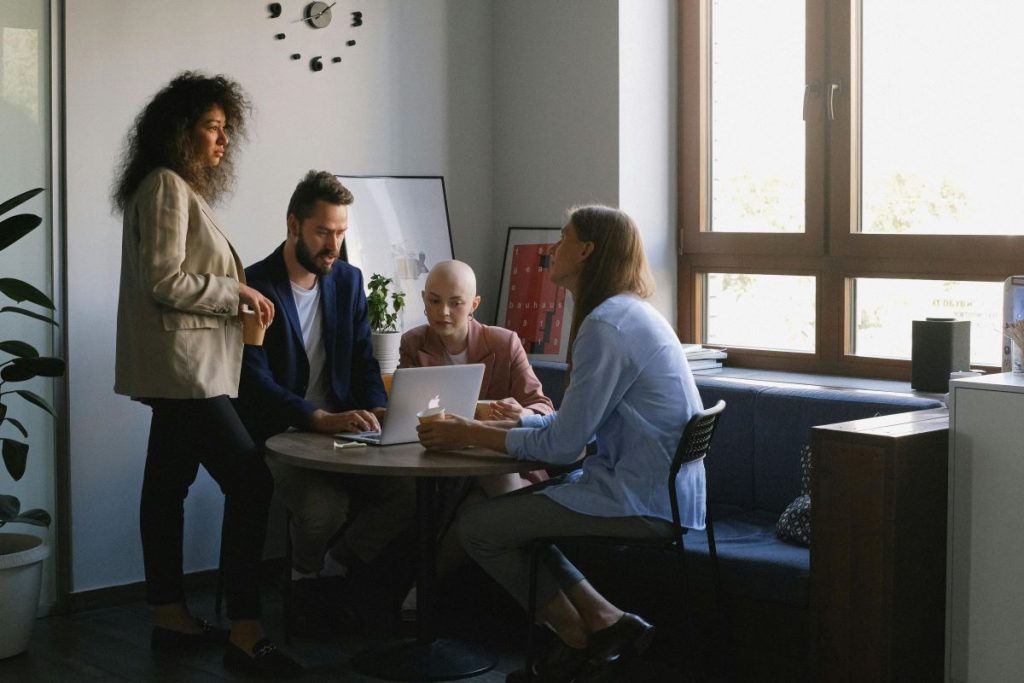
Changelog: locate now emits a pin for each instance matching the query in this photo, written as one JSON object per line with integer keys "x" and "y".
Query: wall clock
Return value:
{"x": 308, "y": 16}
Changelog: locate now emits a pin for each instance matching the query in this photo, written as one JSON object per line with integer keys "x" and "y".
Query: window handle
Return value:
{"x": 809, "y": 89}
{"x": 833, "y": 90}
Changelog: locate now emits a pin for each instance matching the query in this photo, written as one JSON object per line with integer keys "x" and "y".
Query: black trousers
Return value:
{"x": 184, "y": 434}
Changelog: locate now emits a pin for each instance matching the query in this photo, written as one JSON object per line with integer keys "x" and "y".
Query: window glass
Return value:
{"x": 760, "y": 311}
{"x": 942, "y": 131}
{"x": 757, "y": 131}
{"x": 886, "y": 307}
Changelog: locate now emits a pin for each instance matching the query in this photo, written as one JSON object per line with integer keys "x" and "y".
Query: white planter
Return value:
{"x": 385, "y": 350}
{"x": 21, "y": 573}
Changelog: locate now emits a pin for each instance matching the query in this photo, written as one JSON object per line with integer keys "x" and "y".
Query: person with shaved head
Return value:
{"x": 452, "y": 337}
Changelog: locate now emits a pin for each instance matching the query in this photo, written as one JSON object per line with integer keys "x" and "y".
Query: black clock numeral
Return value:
{"x": 275, "y": 10}
{"x": 336, "y": 59}
{"x": 350, "y": 43}
{"x": 357, "y": 18}
{"x": 296, "y": 55}
{"x": 316, "y": 64}
{"x": 280, "y": 36}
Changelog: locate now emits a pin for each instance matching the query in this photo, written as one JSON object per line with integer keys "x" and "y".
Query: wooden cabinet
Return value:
{"x": 986, "y": 530}
{"x": 878, "y": 558}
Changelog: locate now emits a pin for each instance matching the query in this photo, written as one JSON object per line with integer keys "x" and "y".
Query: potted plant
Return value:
{"x": 21, "y": 555}
{"x": 384, "y": 321}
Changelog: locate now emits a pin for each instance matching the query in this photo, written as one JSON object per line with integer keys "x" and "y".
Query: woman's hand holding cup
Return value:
{"x": 260, "y": 305}
{"x": 440, "y": 430}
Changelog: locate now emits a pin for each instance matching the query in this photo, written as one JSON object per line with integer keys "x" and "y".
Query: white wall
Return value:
{"x": 556, "y": 111}
{"x": 648, "y": 94}
{"x": 584, "y": 111}
{"x": 413, "y": 97}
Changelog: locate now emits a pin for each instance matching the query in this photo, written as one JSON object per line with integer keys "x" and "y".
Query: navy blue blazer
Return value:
{"x": 275, "y": 376}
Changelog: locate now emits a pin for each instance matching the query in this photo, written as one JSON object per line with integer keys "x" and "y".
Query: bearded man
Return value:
{"x": 315, "y": 372}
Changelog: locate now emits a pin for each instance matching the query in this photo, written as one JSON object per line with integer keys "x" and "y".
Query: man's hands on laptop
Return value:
{"x": 349, "y": 421}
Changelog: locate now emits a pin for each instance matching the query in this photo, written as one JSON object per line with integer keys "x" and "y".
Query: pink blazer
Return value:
{"x": 507, "y": 370}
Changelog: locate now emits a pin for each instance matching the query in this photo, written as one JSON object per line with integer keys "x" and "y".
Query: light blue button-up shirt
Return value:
{"x": 631, "y": 388}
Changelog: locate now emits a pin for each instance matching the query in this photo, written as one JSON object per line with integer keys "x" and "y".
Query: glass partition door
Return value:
{"x": 26, "y": 140}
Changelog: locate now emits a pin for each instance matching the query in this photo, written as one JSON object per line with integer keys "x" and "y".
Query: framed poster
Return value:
{"x": 398, "y": 226}
{"x": 529, "y": 303}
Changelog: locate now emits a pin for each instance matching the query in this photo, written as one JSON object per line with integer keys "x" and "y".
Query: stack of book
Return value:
{"x": 704, "y": 357}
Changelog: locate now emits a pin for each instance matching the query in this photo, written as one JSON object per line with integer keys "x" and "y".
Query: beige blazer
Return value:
{"x": 178, "y": 334}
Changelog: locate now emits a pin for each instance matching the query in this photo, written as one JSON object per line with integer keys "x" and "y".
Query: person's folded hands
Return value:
{"x": 508, "y": 409}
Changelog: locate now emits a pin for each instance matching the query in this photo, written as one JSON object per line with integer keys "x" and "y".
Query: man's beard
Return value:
{"x": 306, "y": 259}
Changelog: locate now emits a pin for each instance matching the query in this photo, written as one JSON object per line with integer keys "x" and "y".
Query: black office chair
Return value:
{"x": 693, "y": 446}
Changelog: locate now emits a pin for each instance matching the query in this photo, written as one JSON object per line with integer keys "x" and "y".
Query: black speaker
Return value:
{"x": 940, "y": 346}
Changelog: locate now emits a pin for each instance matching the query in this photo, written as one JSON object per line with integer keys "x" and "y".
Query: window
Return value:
{"x": 769, "y": 311}
{"x": 847, "y": 167}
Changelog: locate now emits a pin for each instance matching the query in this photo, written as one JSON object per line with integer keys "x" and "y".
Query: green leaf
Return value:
{"x": 9, "y": 508}
{"x": 9, "y": 512}
{"x": 19, "y": 349}
{"x": 36, "y": 399}
{"x": 15, "y": 456}
{"x": 31, "y": 314}
{"x": 14, "y": 228}
{"x": 23, "y": 291}
{"x": 21, "y": 369}
{"x": 20, "y": 427}
{"x": 20, "y": 199}
{"x": 35, "y": 517}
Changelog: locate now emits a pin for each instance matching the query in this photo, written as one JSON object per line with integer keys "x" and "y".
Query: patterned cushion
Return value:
{"x": 794, "y": 525}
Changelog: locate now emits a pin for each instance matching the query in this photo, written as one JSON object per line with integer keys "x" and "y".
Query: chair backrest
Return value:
{"x": 693, "y": 446}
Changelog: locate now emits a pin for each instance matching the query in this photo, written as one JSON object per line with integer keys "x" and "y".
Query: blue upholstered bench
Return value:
{"x": 754, "y": 472}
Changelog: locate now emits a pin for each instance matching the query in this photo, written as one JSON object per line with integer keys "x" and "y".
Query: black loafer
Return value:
{"x": 168, "y": 640}
{"x": 266, "y": 661}
{"x": 629, "y": 634}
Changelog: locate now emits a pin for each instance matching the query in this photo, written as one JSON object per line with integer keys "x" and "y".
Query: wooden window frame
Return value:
{"x": 831, "y": 248}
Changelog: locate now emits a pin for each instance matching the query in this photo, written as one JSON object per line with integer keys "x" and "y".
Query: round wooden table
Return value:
{"x": 425, "y": 657}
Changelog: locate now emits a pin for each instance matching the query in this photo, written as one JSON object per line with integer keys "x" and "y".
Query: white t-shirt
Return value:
{"x": 307, "y": 303}
{"x": 458, "y": 358}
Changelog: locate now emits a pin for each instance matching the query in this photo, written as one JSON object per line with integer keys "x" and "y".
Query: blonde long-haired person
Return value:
{"x": 179, "y": 351}
{"x": 631, "y": 387}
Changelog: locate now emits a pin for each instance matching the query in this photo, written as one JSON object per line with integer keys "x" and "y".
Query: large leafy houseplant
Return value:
{"x": 23, "y": 363}
{"x": 383, "y": 320}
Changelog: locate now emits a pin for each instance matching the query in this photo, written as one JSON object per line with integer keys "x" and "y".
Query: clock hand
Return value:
{"x": 318, "y": 14}
{"x": 314, "y": 17}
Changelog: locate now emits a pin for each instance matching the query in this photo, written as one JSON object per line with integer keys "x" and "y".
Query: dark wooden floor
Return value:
{"x": 112, "y": 644}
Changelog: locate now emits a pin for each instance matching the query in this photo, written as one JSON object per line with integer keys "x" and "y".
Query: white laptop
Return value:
{"x": 455, "y": 387}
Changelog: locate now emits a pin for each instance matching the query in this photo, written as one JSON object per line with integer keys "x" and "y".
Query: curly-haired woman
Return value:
{"x": 179, "y": 351}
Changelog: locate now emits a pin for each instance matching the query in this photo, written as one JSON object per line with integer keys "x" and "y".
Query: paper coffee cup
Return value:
{"x": 252, "y": 331}
{"x": 430, "y": 414}
{"x": 484, "y": 410}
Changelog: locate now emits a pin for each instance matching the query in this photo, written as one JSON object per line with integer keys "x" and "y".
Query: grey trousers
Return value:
{"x": 374, "y": 510}
{"x": 497, "y": 533}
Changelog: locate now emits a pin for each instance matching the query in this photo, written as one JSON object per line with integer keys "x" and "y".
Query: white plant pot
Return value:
{"x": 21, "y": 574}
{"x": 386, "y": 350}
